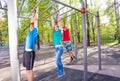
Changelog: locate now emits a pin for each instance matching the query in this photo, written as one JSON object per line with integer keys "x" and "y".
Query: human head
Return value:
{"x": 31, "y": 25}
{"x": 64, "y": 27}
{"x": 56, "y": 26}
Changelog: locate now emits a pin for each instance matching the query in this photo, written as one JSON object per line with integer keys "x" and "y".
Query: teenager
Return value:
{"x": 29, "y": 55}
{"x": 57, "y": 39}
{"x": 67, "y": 43}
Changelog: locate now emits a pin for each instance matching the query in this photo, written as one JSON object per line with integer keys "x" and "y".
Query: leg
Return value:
{"x": 30, "y": 75}
{"x": 59, "y": 52}
{"x": 28, "y": 63}
{"x": 73, "y": 58}
{"x": 72, "y": 54}
{"x": 69, "y": 50}
{"x": 67, "y": 45}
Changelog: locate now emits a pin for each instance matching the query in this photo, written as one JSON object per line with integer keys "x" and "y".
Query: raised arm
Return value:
{"x": 52, "y": 20}
{"x": 59, "y": 20}
{"x": 66, "y": 22}
{"x": 34, "y": 19}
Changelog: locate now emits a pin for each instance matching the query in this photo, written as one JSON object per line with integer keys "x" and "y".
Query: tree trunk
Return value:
{"x": 48, "y": 38}
{"x": 72, "y": 37}
{"x": 0, "y": 36}
{"x": 88, "y": 31}
{"x": 78, "y": 32}
{"x": 93, "y": 31}
{"x": 78, "y": 36}
{"x": 75, "y": 39}
{"x": 117, "y": 21}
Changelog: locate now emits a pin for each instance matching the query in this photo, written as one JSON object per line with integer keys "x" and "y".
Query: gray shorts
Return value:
{"x": 28, "y": 59}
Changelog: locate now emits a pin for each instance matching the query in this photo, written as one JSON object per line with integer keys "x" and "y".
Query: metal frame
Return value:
{"x": 66, "y": 12}
{"x": 3, "y": 8}
{"x": 34, "y": 8}
{"x": 13, "y": 44}
{"x": 66, "y": 5}
{"x": 12, "y": 13}
{"x": 84, "y": 41}
{"x": 0, "y": 4}
{"x": 21, "y": 7}
{"x": 98, "y": 35}
{"x": 38, "y": 19}
{"x": 47, "y": 9}
{"x": 68, "y": 15}
{"x": 55, "y": 11}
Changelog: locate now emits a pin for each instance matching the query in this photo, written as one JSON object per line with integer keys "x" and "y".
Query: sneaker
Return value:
{"x": 74, "y": 58}
{"x": 71, "y": 59}
{"x": 61, "y": 75}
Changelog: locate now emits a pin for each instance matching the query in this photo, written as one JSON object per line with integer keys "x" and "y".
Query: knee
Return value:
{"x": 29, "y": 71}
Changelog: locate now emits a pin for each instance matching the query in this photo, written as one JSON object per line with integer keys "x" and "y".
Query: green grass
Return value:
{"x": 113, "y": 43}
{"x": 108, "y": 41}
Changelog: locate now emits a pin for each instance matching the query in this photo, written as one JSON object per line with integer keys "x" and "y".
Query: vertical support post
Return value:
{"x": 13, "y": 41}
{"x": 75, "y": 40}
{"x": 83, "y": 11}
{"x": 0, "y": 5}
{"x": 98, "y": 34}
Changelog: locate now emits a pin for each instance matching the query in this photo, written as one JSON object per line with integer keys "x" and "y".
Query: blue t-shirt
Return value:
{"x": 57, "y": 37}
{"x": 31, "y": 38}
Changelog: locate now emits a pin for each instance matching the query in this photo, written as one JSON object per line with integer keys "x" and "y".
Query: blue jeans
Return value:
{"x": 59, "y": 52}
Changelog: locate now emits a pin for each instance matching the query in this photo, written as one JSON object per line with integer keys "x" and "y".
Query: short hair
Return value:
{"x": 57, "y": 25}
{"x": 64, "y": 26}
{"x": 32, "y": 23}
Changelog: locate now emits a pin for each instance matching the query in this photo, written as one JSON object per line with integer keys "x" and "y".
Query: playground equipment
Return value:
{"x": 12, "y": 14}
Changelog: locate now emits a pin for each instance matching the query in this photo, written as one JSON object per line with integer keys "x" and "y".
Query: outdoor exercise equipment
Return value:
{"x": 12, "y": 14}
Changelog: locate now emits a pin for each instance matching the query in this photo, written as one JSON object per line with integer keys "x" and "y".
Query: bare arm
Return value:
{"x": 59, "y": 20}
{"x": 52, "y": 20}
{"x": 66, "y": 22}
{"x": 34, "y": 19}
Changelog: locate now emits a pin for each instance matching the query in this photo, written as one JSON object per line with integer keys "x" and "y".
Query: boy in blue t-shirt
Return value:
{"x": 29, "y": 55}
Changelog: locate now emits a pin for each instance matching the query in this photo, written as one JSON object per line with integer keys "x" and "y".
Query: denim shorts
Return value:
{"x": 68, "y": 46}
{"x": 28, "y": 59}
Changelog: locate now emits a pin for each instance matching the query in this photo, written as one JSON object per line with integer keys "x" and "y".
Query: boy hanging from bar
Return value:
{"x": 29, "y": 55}
{"x": 67, "y": 40}
{"x": 57, "y": 40}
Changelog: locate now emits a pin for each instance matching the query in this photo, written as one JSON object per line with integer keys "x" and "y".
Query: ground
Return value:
{"x": 45, "y": 67}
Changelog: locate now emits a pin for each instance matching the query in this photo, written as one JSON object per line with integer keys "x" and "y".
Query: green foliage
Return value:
{"x": 107, "y": 34}
{"x": 46, "y": 33}
{"x": 4, "y": 29}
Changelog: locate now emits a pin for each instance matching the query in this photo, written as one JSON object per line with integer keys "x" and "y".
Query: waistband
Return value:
{"x": 66, "y": 41}
{"x": 28, "y": 49}
{"x": 58, "y": 46}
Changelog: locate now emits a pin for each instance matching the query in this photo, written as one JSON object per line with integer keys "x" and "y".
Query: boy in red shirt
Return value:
{"x": 67, "y": 42}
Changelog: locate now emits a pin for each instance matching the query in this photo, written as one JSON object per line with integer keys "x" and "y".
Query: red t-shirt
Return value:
{"x": 66, "y": 35}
